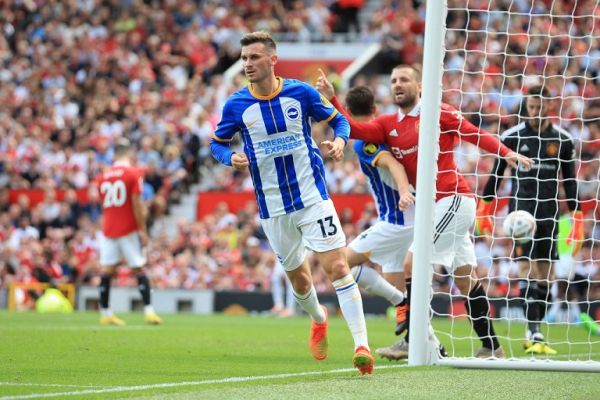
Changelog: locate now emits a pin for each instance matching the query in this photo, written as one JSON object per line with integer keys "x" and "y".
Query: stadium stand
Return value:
{"x": 76, "y": 75}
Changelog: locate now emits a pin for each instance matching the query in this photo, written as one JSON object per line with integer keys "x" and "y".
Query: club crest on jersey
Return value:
{"x": 370, "y": 148}
{"x": 417, "y": 125}
{"x": 552, "y": 149}
{"x": 292, "y": 113}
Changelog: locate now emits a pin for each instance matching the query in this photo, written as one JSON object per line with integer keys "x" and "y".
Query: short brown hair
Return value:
{"x": 416, "y": 69}
{"x": 360, "y": 101}
{"x": 122, "y": 146}
{"x": 538, "y": 91}
{"x": 259, "y": 37}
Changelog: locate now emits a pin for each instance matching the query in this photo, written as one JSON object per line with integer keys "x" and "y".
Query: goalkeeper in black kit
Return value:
{"x": 536, "y": 191}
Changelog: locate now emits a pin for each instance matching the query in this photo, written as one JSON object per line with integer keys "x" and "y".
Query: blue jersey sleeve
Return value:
{"x": 227, "y": 127}
{"x": 321, "y": 109}
{"x": 369, "y": 152}
{"x": 221, "y": 151}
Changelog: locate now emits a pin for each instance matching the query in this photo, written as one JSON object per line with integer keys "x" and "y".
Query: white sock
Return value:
{"x": 352, "y": 308}
{"x": 310, "y": 303}
{"x": 277, "y": 291}
{"x": 375, "y": 284}
{"x": 290, "y": 300}
{"x": 148, "y": 309}
{"x": 573, "y": 311}
{"x": 106, "y": 312}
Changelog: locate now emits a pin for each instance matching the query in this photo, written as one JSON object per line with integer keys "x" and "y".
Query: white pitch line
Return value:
{"x": 82, "y": 328}
{"x": 191, "y": 383}
{"x": 48, "y": 385}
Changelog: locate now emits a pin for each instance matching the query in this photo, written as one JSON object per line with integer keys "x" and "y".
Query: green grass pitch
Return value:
{"x": 254, "y": 357}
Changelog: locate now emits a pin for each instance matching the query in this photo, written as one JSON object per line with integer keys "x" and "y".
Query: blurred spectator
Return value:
{"x": 346, "y": 12}
{"x": 22, "y": 232}
{"x": 147, "y": 154}
{"x": 76, "y": 75}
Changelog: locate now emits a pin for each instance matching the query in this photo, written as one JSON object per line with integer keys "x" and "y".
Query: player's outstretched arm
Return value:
{"x": 396, "y": 169}
{"x": 517, "y": 160}
{"x": 324, "y": 86}
{"x": 452, "y": 121}
{"x": 371, "y": 131}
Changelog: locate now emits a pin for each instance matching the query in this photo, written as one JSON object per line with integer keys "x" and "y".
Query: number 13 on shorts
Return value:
{"x": 321, "y": 228}
{"x": 328, "y": 227}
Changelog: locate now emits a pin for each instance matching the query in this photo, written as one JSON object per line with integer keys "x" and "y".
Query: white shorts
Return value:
{"x": 563, "y": 267}
{"x": 128, "y": 247}
{"x": 452, "y": 244}
{"x": 316, "y": 227}
{"x": 385, "y": 244}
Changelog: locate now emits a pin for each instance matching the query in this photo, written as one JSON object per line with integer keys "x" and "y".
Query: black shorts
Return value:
{"x": 580, "y": 285}
{"x": 542, "y": 247}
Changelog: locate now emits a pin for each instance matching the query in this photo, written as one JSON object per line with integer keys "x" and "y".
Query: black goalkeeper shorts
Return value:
{"x": 542, "y": 247}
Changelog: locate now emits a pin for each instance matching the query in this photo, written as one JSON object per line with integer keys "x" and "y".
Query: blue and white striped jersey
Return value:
{"x": 382, "y": 184}
{"x": 285, "y": 163}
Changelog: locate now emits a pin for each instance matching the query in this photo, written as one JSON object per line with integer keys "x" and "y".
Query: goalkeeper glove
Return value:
{"x": 483, "y": 221}
{"x": 576, "y": 234}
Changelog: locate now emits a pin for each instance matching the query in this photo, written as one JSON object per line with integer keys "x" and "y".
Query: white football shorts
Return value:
{"x": 385, "y": 244}
{"x": 316, "y": 227}
{"x": 452, "y": 244}
{"x": 128, "y": 247}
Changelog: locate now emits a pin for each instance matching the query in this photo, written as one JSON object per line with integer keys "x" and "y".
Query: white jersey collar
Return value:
{"x": 415, "y": 112}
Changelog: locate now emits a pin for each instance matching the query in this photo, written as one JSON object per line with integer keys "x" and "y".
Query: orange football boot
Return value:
{"x": 363, "y": 360}
{"x": 318, "y": 338}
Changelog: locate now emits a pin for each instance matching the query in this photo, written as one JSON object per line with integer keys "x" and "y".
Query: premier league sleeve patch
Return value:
{"x": 370, "y": 149}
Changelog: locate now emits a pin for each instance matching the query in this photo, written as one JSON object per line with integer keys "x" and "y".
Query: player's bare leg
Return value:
{"x": 306, "y": 297}
{"x": 389, "y": 286}
{"x": 478, "y": 308}
{"x": 399, "y": 350}
{"x": 106, "y": 315}
{"x": 335, "y": 265}
{"x": 397, "y": 281}
{"x": 403, "y": 324}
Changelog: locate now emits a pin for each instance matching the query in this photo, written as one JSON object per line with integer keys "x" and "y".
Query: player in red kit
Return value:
{"x": 124, "y": 230}
{"x": 454, "y": 210}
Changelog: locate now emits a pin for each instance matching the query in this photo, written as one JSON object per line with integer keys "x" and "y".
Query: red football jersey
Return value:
{"x": 116, "y": 186}
{"x": 400, "y": 133}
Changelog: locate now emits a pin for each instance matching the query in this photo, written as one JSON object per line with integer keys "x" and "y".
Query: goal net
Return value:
{"x": 494, "y": 52}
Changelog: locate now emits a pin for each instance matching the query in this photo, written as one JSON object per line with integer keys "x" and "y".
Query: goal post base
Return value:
{"x": 520, "y": 364}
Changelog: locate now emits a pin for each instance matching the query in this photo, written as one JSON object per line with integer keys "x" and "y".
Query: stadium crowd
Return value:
{"x": 75, "y": 75}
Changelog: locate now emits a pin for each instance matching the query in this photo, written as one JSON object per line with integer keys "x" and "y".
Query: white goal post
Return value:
{"x": 582, "y": 353}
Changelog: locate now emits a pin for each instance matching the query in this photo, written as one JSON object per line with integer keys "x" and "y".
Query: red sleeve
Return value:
{"x": 137, "y": 178}
{"x": 451, "y": 121}
{"x": 372, "y": 131}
